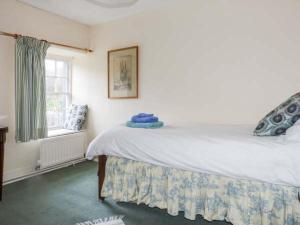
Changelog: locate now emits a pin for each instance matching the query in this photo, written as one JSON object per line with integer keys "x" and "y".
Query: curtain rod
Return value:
{"x": 50, "y": 42}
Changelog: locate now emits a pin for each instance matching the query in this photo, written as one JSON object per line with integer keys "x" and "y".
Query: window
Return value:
{"x": 58, "y": 90}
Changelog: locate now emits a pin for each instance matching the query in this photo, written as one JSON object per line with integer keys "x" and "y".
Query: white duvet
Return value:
{"x": 229, "y": 150}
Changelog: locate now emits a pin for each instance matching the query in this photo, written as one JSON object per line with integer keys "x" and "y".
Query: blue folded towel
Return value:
{"x": 144, "y": 115}
{"x": 145, "y": 125}
{"x": 149, "y": 119}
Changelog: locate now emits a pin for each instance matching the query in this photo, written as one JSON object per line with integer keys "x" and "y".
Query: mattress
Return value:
{"x": 229, "y": 150}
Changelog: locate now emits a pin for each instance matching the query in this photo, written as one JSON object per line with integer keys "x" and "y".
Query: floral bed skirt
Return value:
{"x": 241, "y": 202}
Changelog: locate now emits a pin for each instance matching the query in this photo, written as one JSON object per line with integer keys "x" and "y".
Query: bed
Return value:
{"x": 221, "y": 172}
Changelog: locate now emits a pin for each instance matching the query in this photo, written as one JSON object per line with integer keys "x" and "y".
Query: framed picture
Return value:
{"x": 123, "y": 73}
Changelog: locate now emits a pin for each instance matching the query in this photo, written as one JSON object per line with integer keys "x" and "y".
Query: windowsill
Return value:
{"x": 61, "y": 132}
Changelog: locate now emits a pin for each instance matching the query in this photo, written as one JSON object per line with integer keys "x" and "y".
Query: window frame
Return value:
{"x": 69, "y": 61}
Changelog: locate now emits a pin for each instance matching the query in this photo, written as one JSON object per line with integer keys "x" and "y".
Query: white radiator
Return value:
{"x": 61, "y": 149}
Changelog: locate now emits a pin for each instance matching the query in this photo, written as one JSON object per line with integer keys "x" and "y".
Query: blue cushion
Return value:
{"x": 280, "y": 119}
{"x": 76, "y": 117}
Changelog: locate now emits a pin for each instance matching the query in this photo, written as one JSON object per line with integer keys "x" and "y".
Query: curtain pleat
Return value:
{"x": 31, "y": 121}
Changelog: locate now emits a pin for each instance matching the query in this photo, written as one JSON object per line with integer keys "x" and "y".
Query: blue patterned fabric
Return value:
{"x": 154, "y": 125}
{"x": 280, "y": 119}
{"x": 76, "y": 117}
{"x": 241, "y": 202}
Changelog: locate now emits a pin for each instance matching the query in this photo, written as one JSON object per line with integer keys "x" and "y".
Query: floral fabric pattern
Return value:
{"x": 76, "y": 117}
{"x": 241, "y": 202}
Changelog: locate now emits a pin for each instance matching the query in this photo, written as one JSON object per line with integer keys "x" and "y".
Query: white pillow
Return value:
{"x": 293, "y": 133}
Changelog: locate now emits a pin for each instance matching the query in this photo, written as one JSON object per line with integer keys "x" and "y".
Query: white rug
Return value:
{"x": 113, "y": 220}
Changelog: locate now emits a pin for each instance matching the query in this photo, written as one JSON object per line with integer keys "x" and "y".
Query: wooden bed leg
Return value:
{"x": 101, "y": 174}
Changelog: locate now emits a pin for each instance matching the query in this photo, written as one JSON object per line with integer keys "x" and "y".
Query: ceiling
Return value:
{"x": 85, "y": 12}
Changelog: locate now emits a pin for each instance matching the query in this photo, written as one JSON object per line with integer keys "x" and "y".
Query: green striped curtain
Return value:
{"x": 31, "y": 122}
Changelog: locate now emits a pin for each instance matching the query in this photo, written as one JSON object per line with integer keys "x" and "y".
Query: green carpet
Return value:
{"x": 68, "y": 196}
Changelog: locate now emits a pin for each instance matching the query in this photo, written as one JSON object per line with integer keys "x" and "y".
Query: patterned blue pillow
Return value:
{"x": 76, "y": 117}
{"x": 280, "y": 119}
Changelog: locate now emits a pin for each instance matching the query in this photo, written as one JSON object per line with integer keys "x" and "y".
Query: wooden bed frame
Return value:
{"x": 101, "y": 174}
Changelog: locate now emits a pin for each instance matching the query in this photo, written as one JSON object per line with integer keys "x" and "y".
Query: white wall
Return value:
{"x": 211, "y": 60}
{"x": 16, "y": 17}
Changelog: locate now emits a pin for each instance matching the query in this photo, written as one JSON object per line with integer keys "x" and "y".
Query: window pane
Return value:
{"x": 56, "y": 110}
{"x": 61, "y": 69}
{"x": 54, "y": 84}
{"x": 58, "y": 91}
{"x": 50, "y": 67}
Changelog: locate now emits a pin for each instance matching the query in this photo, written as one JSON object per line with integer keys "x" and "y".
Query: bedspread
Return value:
{"x": 229, "y": 150}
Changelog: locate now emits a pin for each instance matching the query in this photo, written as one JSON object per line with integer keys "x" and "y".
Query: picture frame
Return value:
{"x": 123, "y": 73}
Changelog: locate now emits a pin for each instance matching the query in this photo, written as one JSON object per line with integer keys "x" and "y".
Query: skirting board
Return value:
{"x": 27, "y": 172}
